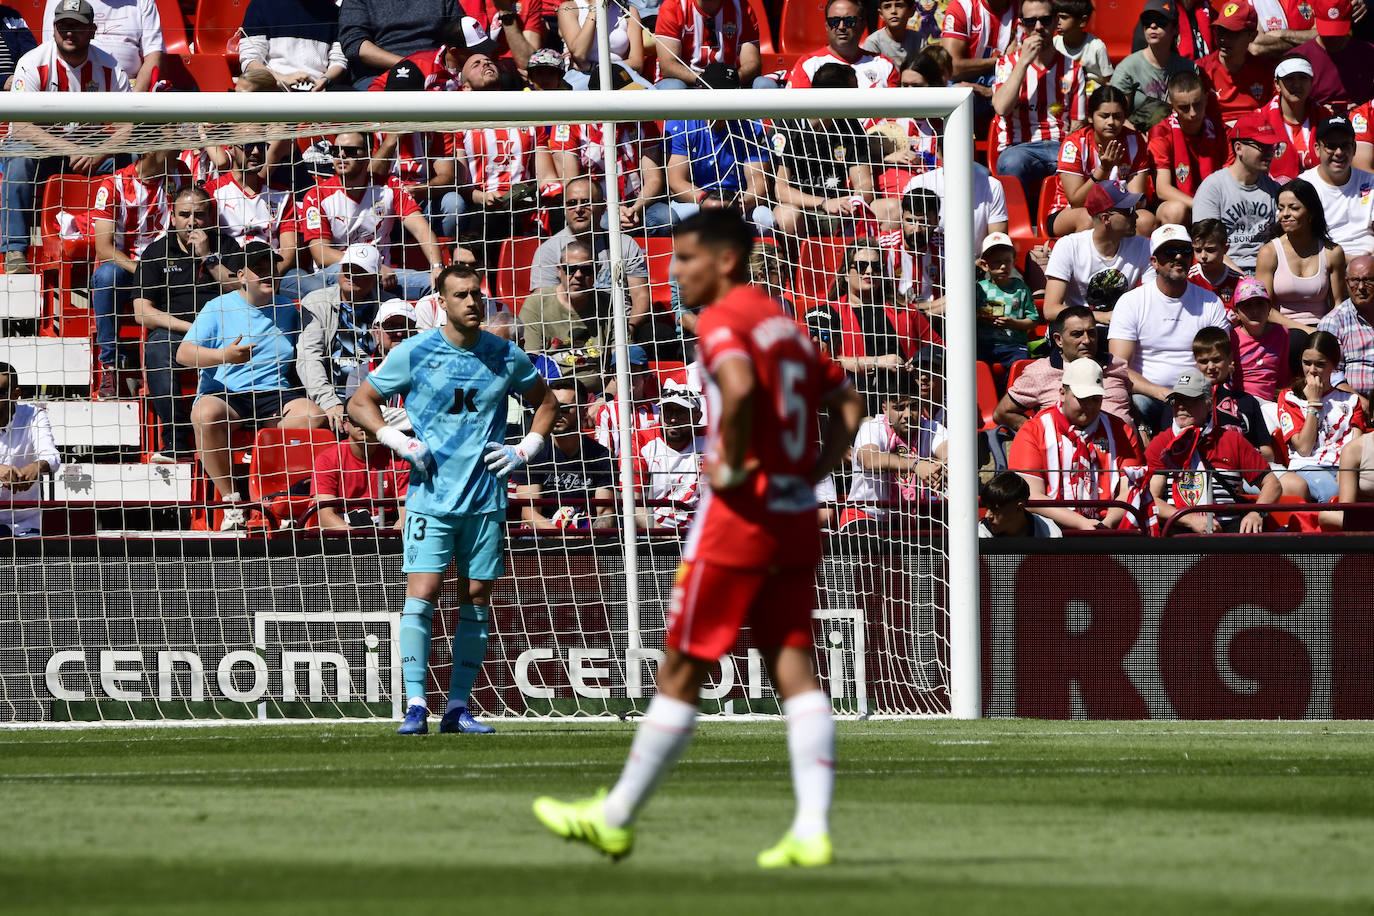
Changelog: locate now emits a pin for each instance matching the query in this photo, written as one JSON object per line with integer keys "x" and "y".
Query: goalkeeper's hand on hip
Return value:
{"x": 413, "y": 450}
{"x": 501, "y": 459}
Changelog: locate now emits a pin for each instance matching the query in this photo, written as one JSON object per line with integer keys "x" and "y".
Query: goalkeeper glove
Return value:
{"x": 501, "y": 459}
{"x": 421, "y": 460}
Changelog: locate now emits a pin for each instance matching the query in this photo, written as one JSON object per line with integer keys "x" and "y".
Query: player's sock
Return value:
{"x": 811, "y": 747}
{"x": 662, "y": 737}
{"x": 416, "y": 620}
{"x": 469, "y": 648}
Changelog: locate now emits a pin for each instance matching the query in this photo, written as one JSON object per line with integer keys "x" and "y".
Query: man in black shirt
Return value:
{"x": 824, "y": 167}
{"x": 178, "y": 274}
{"x": 571, "y": 468}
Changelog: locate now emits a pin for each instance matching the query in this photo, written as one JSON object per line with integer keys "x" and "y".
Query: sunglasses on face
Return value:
{"x": 1174, "y": 254}
{"x": 579, "y": 204}
{"x": 1030, "y": 22}
{"x": 577, "y": 269}
{"x": 866, "y": 267}
{"x": 348, "y": 152}
{"x": 1359, "y": 281}
{"x": 257, "y": 146}
{"x": 847, "y": 22}
{"x": 1155, "y": 22}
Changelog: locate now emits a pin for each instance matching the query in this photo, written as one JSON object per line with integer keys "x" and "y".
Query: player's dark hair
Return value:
{"x": 1072, "y": 311}
{"x": 1004, "y": 488}
{"x": 1329, "y": 346}
{"x": 926, "y": 65}
{"x": 1107, "y": 95}
{"x": 920, "y": 200}
{"x": 1078, "y": 9}
{"x": 366, "y": 135}
{"x": 834, "y": 76}
{"x": 1182, "y": 81}
{"x": 570, "y": 383}
{"x": 1209, "y": 230}
{"x": 1211, "y": 340}
{"x": 719, "y": 230}
{"x": 453, "y": 270}
{"x": 191, "y": 190}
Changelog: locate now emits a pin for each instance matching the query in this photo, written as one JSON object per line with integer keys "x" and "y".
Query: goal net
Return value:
{"x": 199, "y": 535}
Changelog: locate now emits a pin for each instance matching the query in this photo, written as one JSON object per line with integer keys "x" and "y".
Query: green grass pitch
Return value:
{"x": 930, "y": 817}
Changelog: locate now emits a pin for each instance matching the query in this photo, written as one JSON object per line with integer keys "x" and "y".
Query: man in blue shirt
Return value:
{"x": 245, "y": 344}
{"x": 455, "y": 381}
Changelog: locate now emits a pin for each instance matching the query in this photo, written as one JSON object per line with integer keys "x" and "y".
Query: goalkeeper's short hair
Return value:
{"x": 719, "y": 229}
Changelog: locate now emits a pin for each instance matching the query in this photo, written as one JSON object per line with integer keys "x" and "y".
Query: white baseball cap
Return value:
{"x": 681, "y": 395}
{"x": 1167, "y": 234}
{"x": 1292, "y": 65}
{"x": 363, "y": 256}
{"x": 997, "y": 240}
{"x": 395, "y": 308}
{"x": 1083, "y": 377}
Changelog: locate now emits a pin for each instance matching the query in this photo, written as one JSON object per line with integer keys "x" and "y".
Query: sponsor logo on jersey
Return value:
{"x": 779, "y": 143}
{"x": 91, "y": 86}
{"x": 1069, "y": 152}
{"x": 731, "y": 30}
{"x": 1182, "y": 171}
{"x": 949, "y": 22}
{"x": 1190, "y": 487}
{"x": 312, "y": 218}
{"x": 1359, "y": 122}
{"x": 840, "y": 152}
{"x": 102, "y": 198}
{"x": 18, "y": 84}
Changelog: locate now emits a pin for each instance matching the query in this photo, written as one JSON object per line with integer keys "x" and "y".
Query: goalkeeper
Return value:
{"x": 455, "y": 381}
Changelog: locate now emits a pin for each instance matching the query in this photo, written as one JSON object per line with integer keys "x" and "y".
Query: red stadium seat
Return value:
{"x": 987, "y": 397}
{"x": 33, "y": 11}
{"x": 818, "y": 262}
{"x": 217, "y": 25}
{"x": 199, "y": 72}
{"x": 282, "y": 459}
{"x": 1049, "y": 190}
{"x": 1018, "y": 211}
{"x": 658, "y": 252}
{"x": 203, "y": 489}
{"x": 1016, "y": 369}
{"x": 65, "y": 263}
{"x": 512, "y": 282}
{"x": 174, "y": 40}
{"x": 802, "y": 27}
{"x": 772, "y": 60}
{"x": 1114, "y": 21}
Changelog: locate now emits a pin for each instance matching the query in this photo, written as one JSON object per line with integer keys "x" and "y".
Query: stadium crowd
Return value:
{"x": 1188, "y": 319}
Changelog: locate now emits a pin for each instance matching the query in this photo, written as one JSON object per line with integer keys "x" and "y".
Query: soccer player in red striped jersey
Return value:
{"x": 754, "y": 544}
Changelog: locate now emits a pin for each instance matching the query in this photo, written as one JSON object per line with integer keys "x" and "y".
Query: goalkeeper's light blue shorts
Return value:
{"x": 475, "y": 542}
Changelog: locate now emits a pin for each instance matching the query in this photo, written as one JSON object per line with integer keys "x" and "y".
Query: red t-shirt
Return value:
{"x": 770, "y": 519}
{"x": 1189, "y": 159}
{"x": 1237, "y": 93}
{"x": 339, "y": 473}
{"x": 1078, "y": 156}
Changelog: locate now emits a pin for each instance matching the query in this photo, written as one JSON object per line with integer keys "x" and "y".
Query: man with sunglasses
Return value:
{"x": 1352, "y": 322}
{"x": 570, "y": 322}
{"x": 354, "y": 207}
{"x": 1347, "y": 193}
{"x": 247, "y": 208}
{"x": 1153, "y": 325}
{"x": 1040, "y": 97}
{"x": 1243, "y": 195}
{"x": 843, "y": 29}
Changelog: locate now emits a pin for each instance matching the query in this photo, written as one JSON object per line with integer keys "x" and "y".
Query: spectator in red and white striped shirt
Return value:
{"x": 843, "y": 26}
{"x": 247, "y": 208}
{"x": 975, "y": 33}
{"x": 1040, "y": 98}
{"x": 132, "y": 209}
{"x": 354, "y": 207}
{"x": 691, "y": 34}
{"x": 68, "y": 63}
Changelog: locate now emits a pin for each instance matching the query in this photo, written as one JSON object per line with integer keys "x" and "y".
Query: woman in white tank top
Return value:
{"x": 577, "y": 26}
{"x": 1302, "y": 267}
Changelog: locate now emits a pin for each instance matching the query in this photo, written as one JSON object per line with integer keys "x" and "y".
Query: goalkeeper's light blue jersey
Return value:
{"x": 456, "y": 401}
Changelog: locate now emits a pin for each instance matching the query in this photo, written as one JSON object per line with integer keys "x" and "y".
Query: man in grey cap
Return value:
{"x": 59, "y": 65}
{"x": 1196, "y": 463}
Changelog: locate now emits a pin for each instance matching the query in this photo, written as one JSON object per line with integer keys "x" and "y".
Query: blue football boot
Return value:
{"x": 416, "y": 722}
{"x": 459, "y": 720}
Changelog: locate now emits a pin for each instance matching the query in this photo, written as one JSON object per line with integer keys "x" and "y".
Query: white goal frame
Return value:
{"x": 953, "y": 106}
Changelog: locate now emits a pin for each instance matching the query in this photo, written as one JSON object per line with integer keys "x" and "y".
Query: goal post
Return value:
{"x": 324, "y": 644}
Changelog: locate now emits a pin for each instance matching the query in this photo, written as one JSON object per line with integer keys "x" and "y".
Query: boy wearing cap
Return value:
{"x": 1076, "y": 451}
{"x": 1347, "y": 193}
{"x": 1260, "y": 346}
{"x": 1144, "y": 74}
{"x": 246, "y": 342}
{"x": 1185, "y": 148}
{"x": 1342, "y": 66}
{"x": 1096, "y": 266}
{"x": 336, "y": 342}
{"x": 1154, "y": 325}
{"x": 1197, "y": 462}
{"x": 1294, "y": 117}
{"x": 1006, "y": 307}
{"x": 1239, "y": 81}
{"x": 1242, "y": 195}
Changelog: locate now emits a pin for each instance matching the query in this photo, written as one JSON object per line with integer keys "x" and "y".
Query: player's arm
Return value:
{"x": 734, "y": 378}
{"x": 501, "y": 458}
{"x": 545, "y": 405}
{"x": 365, "y": 409}
{"x": 844, "y": 412}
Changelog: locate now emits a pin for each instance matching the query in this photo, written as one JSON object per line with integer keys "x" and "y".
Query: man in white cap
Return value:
{"x": 337, "y": 341}
{"x": 1294, "y": 117}
{"x": 1154, "y": 324}
{"x": 1076, "y": 451}
{"x": 1095, "y": 266}
{"x": 670, "y": 459}
{"x": 1198, "y": 462}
